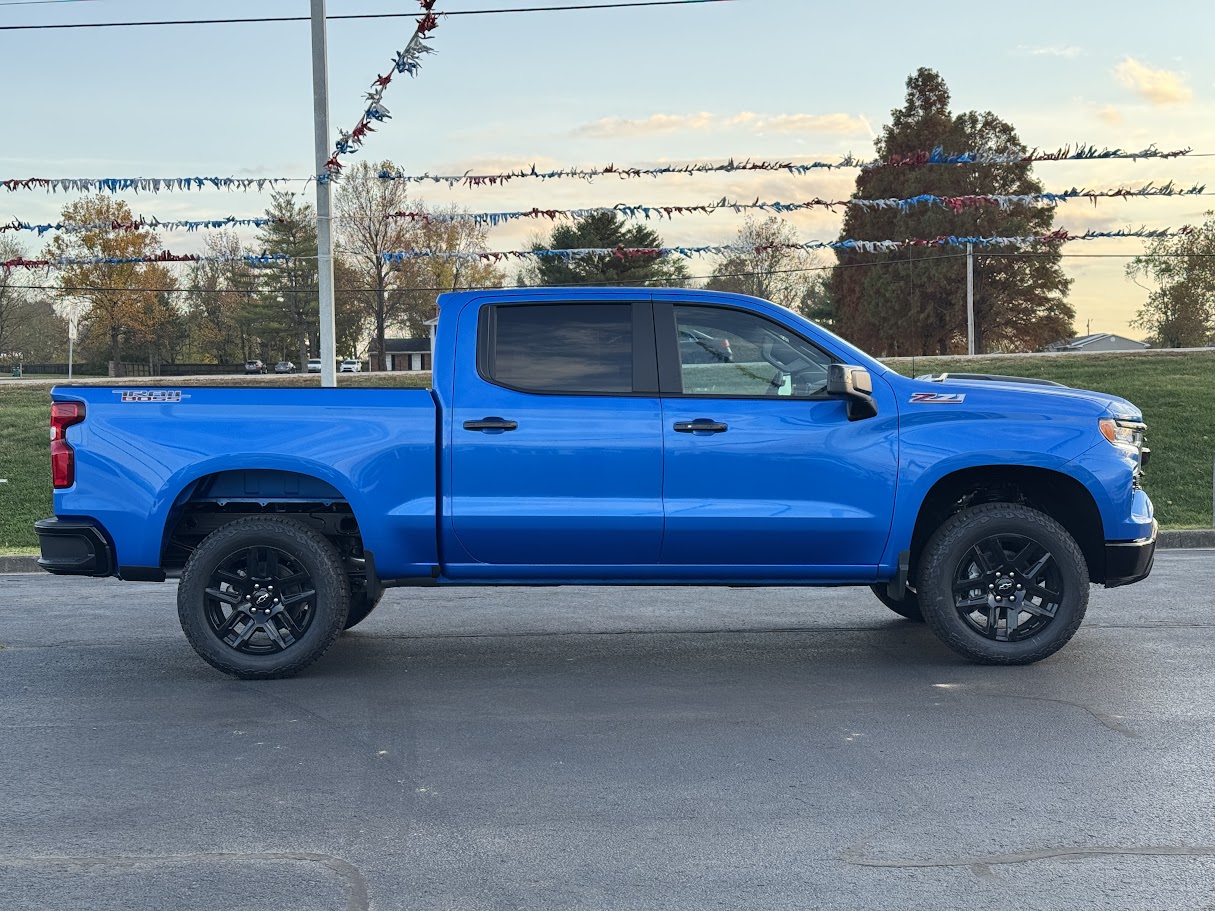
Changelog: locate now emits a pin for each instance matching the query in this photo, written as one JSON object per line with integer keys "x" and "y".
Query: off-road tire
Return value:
{"x": 360, "y": 608}
{"x": 307, "y": 547}
{"x": 952, "y": 544}
{"x": 908, "y": 606}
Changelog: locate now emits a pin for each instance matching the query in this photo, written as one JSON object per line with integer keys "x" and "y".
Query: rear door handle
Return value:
{"x": 491, "y": 424}
{"x": 701, "y": 425}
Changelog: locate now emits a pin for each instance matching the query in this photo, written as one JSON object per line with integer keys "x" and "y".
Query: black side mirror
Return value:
{"x": 856, "y": 385}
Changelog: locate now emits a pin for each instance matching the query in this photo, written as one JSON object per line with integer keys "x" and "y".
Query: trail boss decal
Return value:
{"x": 938, "y": 398}
{"x": 157, "y": 396}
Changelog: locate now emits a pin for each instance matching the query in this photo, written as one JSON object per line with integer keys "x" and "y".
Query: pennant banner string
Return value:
{"x": 859, "y": 246}
{"x": 493, "y": 219}
{"x": 408, "y": 61}
{"x": 936, "y": 157}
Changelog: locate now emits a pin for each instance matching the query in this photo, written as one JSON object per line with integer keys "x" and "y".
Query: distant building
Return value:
{"x": 411, "y": 353}
{"x": 1098, "y": 341}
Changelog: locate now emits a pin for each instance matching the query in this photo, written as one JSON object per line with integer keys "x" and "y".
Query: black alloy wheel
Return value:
{"x": 260, "y": 600}
{"x": 1008, "y": 587}
{"x": 263, "y": 597}
{"x": 1002, "y": 583}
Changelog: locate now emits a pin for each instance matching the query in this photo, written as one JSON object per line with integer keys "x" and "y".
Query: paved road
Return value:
{"x": 601, "y": 749}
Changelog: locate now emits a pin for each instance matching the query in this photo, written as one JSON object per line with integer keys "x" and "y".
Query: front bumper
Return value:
{"x": 73, "y": 547}
{"x": 1129, "y": 561}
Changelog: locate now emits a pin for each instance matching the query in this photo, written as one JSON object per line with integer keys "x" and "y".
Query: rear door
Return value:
{"x": 762, "y": 468}
{"x": 556, "y": 435}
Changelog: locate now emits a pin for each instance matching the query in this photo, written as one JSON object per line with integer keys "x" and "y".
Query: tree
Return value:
{"x": 1180, "y": 311}
{"x": 221, "y": 301}
{"x": 288, "y": 302}
{"x": 914, "y": 301}
{"x": 604, "y": 230}
{"x": 782, "y": 276}
{"x": 117, "y": 296}
{"x": 365, "y": 231}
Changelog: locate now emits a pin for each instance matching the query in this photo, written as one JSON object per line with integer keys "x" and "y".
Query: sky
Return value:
{"x": 764, "y": 79}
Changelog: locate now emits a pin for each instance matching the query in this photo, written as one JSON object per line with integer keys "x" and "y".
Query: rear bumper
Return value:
{"x": 1129, "y": 561}
{"x": 74, "y": 547}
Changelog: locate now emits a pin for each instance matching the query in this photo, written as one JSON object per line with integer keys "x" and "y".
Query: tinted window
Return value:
{"x": 564, "y": 348}
{"x": 731, "y": 352}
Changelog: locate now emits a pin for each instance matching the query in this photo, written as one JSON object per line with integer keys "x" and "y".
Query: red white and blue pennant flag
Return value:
{"x": 407, "y": 61}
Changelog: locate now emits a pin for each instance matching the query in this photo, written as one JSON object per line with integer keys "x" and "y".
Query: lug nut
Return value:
{"x": 990, "y": 587}
{"x": 1018, "y": 588}
{"x": 998, "y": 598}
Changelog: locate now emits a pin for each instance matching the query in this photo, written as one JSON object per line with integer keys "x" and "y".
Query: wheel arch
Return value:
{"x": 1058, "y": 495}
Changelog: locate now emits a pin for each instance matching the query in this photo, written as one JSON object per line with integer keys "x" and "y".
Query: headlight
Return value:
{"x": 1127, "y": 434}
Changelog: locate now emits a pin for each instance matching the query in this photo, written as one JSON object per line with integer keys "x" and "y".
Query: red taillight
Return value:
{"x": 63, "y": 457}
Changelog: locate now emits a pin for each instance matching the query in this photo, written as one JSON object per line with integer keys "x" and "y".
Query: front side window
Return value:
{"x": 732, "y": 352}
{"x": 569, "y": 348}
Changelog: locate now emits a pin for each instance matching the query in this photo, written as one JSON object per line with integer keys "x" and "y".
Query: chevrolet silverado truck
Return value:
{"x": 606, "y": 437}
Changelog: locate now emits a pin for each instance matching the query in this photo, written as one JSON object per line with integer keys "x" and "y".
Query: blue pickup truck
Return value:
{"x": 606, "y": 437}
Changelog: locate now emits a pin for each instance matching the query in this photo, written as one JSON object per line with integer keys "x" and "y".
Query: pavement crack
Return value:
{"x": 1102, "y": 718}
{"x": 857, "y": 857}
{"x": 357, "y": 895}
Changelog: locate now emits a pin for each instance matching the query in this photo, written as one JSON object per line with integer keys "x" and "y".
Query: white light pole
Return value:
{"x": 324, "y": 195}
{"x": 970, "y": 299}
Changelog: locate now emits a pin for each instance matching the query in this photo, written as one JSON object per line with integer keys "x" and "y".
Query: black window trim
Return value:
{"x": 669, "y": 368}
{"x": 645, "y": 349}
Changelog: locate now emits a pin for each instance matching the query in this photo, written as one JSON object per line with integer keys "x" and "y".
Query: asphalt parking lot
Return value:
{"x": 573, "y": 748}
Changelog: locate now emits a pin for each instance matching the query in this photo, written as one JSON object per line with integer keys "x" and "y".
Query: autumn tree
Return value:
{"x": 222, "y": 300}
{"x": 427, "y": 277}
{"x": 288, "y": 299}
{"x": 913, "y": 301}
{"x": 365, "y": 232}
{"x": 1180, "y": 310}
{"x": 604, "y": 230}
{"x": 768, "y": 269}
{"x": 117, "y": 295}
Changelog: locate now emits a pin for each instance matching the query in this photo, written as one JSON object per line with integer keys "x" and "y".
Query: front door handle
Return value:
{"x": 701, "y": 425}
{"x": 491, "y": 424}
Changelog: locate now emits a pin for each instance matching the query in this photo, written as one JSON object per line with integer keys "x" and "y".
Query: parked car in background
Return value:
{"x": 254, "y": 366}
{"x": 314, "y": 365}
{"x": 701, "y": 348}
{"x": 285, "y": 367}
{"x": 350, "y": 365}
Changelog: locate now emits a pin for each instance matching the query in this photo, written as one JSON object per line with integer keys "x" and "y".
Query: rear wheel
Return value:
{"x": 263, "y": 597}
{"x": 1003, "y": 584}
{"x": 907, "y": 606}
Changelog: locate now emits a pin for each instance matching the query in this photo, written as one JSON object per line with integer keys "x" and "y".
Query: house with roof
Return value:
{"x": 1098, "y": 341}
{"x": 411, "y": 353}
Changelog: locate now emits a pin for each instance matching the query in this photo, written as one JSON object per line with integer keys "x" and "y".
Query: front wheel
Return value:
{"x": 1003, "y": 584}
{"x": 263, "y": 597}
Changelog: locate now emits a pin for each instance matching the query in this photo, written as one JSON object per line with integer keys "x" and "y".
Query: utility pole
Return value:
{"x": 324, "y": 194}
{"x": 970, "y": 299}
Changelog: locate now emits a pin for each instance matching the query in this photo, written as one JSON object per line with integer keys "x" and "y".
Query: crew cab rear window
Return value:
{"x": 552, "y": 348}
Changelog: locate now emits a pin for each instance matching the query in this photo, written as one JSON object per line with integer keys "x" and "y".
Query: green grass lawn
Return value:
{"x": 1175, "y": 391}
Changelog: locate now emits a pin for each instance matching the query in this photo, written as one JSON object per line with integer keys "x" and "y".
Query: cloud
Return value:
{"x": 1160, "y": 87}
{"x": 1070, "y": 52}
{"x": 1111, "y": 115}
{"x": 656, "y": 124}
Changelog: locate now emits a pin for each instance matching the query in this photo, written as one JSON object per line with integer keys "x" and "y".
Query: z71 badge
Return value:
{"x": 159, "y": 396}
{"x": 938, "y": 398}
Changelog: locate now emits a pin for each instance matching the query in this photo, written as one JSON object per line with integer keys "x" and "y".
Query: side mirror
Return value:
{"x": 856, "y": 385}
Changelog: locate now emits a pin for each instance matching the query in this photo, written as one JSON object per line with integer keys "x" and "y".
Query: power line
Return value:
{"x": 470, "y": 12}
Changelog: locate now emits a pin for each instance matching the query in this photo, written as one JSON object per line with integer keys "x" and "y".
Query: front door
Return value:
{"x": 762, "y": 468}
{"x": 556, "y": 436}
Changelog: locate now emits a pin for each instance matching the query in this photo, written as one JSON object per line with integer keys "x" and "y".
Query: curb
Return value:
{"x": 1168, "y": 540}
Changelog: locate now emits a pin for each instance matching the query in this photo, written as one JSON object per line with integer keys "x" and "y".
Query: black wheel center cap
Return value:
{"x": 261, "y": 599}
{"x": 1005, "y": 586}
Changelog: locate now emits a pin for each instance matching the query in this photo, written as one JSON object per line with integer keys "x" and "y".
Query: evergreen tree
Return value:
{"x": 288, "y": 303}
{"x": 605, "y": 230}
{"x": 913, "y": 302}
